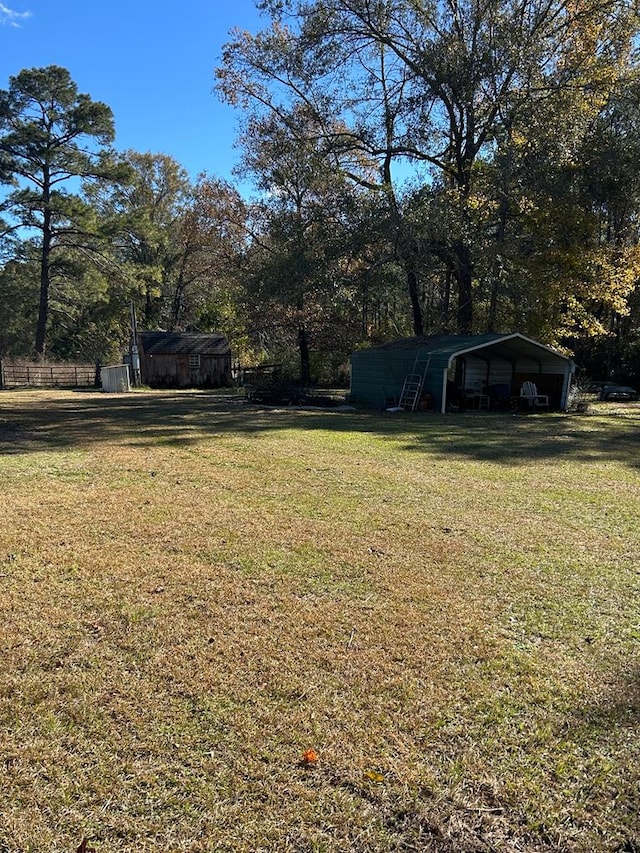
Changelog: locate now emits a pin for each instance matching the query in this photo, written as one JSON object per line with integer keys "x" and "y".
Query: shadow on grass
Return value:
{"x": 608, "y": 730}
{"x": 34, "y": 421}
{"x": 621, "y": 708}
{"x": 509, "y": 439}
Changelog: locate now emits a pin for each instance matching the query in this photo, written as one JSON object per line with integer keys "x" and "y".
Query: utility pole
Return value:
{"x": 135, "y": 355}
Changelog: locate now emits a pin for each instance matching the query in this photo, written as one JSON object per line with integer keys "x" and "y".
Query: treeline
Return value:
{"x": 418, "y": 167}
{"x": 87, "y": 231}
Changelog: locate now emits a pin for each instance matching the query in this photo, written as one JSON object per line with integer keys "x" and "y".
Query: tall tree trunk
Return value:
{"x": 492, "y": 319}
{"x": 147, "y": 319}
{"x": 177, "y": 302}
{"x": 45, "y": 275}
{"x": 305, "y": 366}
{"x": 464, "y": 278}
{"x": 445, "y": 325}
{"x": 414, "y": 296}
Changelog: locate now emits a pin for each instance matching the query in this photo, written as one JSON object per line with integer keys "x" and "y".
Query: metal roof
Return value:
{"x": 499, "y": 345}
{"x": 184, "y": 343}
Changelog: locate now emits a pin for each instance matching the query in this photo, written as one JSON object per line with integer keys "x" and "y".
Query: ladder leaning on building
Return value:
{"x": 414, "y": 383}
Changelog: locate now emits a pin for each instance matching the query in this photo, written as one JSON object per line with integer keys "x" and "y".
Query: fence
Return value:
{"x": 25, "y": 374}
{"x": 115, "y": 379}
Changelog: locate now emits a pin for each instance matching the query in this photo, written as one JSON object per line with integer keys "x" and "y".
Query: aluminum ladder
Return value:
{"x": 413, "y": 384}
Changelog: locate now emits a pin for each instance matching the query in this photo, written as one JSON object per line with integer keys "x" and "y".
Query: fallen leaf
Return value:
{"x": 309, "y": 757}
{"x": 374, "y": 776}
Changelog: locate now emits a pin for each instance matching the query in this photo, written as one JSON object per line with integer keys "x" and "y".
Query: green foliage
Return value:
{"x": 502, "y": 112}
{"x": 300, "y": 274}
{"x": 18, "y": 306}
{"x": 51, "y": 136}
{"x": 418, "y": 167}
{"x": 175, "y": 244}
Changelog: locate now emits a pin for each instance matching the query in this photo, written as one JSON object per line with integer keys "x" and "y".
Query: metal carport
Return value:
{"x": 480, "y": 361}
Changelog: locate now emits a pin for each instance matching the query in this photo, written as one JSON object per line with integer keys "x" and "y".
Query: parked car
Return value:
{"x": 618, "y": 393}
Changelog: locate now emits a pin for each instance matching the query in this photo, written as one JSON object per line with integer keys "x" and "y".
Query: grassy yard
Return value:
{"x": 194, "y": 593}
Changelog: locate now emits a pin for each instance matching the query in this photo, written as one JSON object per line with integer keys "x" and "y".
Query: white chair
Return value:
{"x": 529, "y": 393}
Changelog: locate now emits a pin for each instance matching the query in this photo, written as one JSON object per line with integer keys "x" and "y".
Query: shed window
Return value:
{"x": 194, "y": 361}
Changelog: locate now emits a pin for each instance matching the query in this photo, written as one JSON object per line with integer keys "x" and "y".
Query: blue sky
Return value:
{"x": 152, "y": 63}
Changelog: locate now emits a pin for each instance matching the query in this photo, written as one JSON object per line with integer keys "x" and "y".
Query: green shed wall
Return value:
{"x": 377, "y": 376}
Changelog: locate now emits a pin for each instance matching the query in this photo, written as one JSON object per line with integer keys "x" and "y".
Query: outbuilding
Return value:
{"x": 184, "y": 360}
{"x": 450, "y": 372}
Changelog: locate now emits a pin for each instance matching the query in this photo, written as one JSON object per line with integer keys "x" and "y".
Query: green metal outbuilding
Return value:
{"x": 474, "y": 371}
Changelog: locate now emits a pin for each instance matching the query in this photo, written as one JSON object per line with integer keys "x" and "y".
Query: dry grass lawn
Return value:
{"x": 195, "y": 592}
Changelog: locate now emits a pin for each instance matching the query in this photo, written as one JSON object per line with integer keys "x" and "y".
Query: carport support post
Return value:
{"x": 443, "y": 405}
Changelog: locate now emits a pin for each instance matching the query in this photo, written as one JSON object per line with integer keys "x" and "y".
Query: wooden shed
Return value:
{"x": 456, "y": 371}
{"x": 184, "y": 360}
